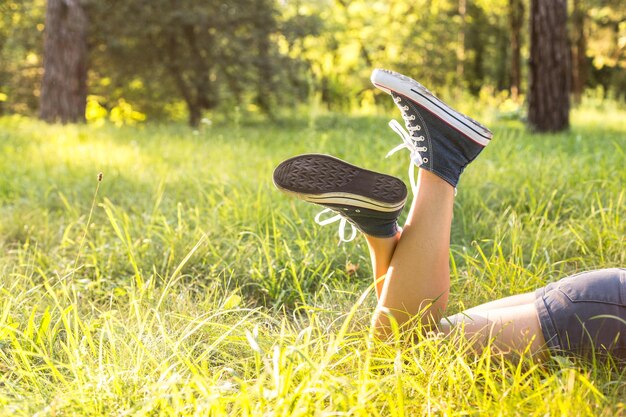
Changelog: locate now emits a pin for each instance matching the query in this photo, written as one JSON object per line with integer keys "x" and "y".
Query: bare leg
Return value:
{"x": 512, "y": 301}
{"x": 512, "y": 322}
{"x": 418, "y": 278}
{"x": 381, "y": 251}
{"x": 513, "y": 328}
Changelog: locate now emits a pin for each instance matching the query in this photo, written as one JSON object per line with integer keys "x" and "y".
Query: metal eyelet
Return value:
{"x": 425, "y": 160}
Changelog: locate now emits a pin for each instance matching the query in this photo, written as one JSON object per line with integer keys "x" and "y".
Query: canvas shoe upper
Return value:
{"x": 441, "y": 140}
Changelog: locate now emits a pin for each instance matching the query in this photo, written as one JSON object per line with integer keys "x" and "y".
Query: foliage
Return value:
{"x": 21, "y": 54}
{"x": 262, "y": 55}
{"x": 202, "y": 52}
{"x": 196, "y": 288}
{"x": 607, "y": 49}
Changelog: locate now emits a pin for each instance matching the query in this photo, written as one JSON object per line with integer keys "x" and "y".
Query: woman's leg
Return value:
{"x": 414, "y": 261}
{"x": 511, "y": 322}
{"x": 512, "y": 328}
{"x": 418, "y": 278}
{"x": 381, "y": 250}
{"x": 442, "y": 142}
{"x": 511, "y": 301}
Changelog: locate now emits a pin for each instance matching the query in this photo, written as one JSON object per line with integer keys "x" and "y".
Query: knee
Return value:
{"x": 387, "y": 323}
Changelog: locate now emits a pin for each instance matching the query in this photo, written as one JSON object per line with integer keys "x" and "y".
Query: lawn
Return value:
{"x": 183, "y": 283}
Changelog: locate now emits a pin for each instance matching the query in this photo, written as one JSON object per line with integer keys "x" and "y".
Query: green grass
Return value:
{"x": 197, "y": 289}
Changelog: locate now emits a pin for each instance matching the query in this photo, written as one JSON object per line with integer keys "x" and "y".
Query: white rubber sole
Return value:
{"x": 390, "y": 81}
{"x": 345, "y": 199}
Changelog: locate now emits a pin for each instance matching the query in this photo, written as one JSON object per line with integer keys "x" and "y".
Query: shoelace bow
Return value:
{"x": 342, "y": 224}
{"x": 408, "y": 143}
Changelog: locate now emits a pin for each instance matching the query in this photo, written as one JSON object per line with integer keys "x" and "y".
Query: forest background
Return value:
{"x": 164, "y": 59}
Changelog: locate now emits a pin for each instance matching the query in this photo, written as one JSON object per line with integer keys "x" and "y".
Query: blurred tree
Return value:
{"x": 265, "y": 24}
{"x": 548, "y": 101}
{"x": 202, "y": 51}
{"x": 477, "y": 72}
{"x": 460, "y": 54}
{"x": 606, "y": 46}
{"x": 516, "y": 20}
{"x": 179, "y": 59}
{"x": 64, "y": 86}
{"x": 21, "y": 25}
{"x": 490, "y": 44}
{"x": 579, "y": 48}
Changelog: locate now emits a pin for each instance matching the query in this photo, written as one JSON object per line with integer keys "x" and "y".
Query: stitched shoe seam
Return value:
{"x": 426, "y": 135}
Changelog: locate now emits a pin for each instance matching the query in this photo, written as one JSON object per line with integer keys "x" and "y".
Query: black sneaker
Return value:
{"x": 369, "y": 200}
{"x": 441, "y": 139}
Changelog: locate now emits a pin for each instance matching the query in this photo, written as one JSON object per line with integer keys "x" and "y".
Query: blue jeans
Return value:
{"x": 585, "y": 313}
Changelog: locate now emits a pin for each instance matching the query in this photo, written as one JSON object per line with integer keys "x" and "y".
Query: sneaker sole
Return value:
{"x": 390, "y": 81}
{"x": 323, "y": 179}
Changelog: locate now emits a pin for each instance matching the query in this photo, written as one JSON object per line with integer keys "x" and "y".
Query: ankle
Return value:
{"x": 383, "y": 242}
{"x": 429, "y": 183}
{"x": 428, "y": 177}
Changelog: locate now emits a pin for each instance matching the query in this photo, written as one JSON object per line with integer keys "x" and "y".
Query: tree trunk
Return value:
{"x": 548, "y": 101}
{"x": 191, "y": 92}
{"x": 264, "y": 23}
{"x": 195, "y": 114}
{"x": 502, "y": 72}
{"x": 579, "y": 50}
{"x": 64, "y": 86}
{"x": 516, "y": 18}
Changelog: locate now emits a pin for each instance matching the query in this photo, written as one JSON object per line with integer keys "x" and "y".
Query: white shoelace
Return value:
{"x": 407, "y": 143}
{"x": 342, "y": 224}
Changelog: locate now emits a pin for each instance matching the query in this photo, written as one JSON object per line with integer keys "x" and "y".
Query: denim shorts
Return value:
{"x": 585, "y": 314}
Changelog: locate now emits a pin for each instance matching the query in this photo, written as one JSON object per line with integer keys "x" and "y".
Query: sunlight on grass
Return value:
{"x": 200, "y": 290}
